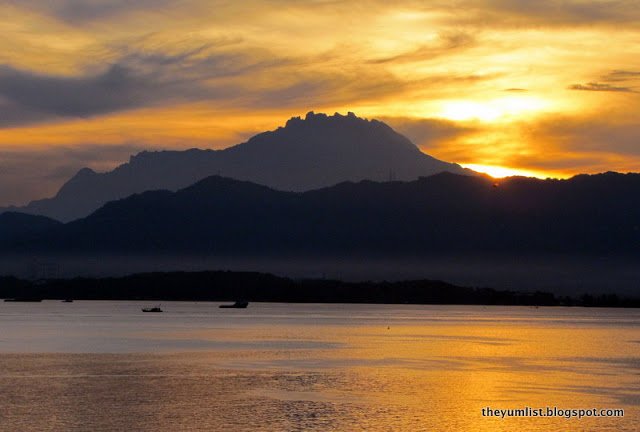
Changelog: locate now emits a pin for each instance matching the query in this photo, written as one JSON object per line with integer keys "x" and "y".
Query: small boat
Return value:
{"x": 24, "y": 299}
{"x": 153, "y": 309}
{"x": 67, "y": 301}
{"x": 237, "y": 305}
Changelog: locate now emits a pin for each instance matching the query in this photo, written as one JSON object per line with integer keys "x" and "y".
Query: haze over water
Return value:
{"x": 107, "y": 366}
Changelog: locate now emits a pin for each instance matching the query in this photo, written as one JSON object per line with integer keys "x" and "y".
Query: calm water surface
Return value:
{"x": 106, "y": 366}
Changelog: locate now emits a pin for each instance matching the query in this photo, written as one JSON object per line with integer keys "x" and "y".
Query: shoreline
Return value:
{"x": 229, "y": 286}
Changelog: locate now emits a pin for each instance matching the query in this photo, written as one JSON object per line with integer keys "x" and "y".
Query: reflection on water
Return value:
{"x": 106, "y": 366}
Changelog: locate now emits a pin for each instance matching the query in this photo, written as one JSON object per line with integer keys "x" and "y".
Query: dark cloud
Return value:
{"x": 621, "y": 75}
{"x": 146, "y": 73}
{"x": 116, "y": 88}
{"x": 77, "y": 11}
{"x": 137, "y": 79}
{"x": 628, "y": 77}
{"x": 12, "y": 114}
{"x": 519, "y": 14}
{"x": 600, "y": 87}
{"x": 213, "y": 72}
{"x": 572, "y": 10}
{"x": 565, "y": 12}
{"x": 506, "y": 12}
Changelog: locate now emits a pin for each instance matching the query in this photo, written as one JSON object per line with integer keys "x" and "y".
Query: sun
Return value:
{"x": 464, "y": 110}
{"x": 497, "y": 171}
{"x": 491, "y": 110}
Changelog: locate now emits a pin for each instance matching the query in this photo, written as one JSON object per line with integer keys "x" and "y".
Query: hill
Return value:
{"x": 444, "y": 214}
{"x": 16, "y": 227}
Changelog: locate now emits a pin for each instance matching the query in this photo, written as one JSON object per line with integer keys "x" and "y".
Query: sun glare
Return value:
{"x": 496, "y": 171}
{"x": 492, "y": 110}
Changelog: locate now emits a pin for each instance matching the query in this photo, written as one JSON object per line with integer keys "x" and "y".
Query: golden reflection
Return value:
{"x": 327, "y": 368}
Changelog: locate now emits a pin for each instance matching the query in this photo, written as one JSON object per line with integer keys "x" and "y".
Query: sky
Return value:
{"x": 545, "y": 88}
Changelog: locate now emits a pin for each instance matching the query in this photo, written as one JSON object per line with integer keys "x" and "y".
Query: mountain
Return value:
{"x": 310, "y": 153}
{"x": 444, "y": 214}
{"x": 22, "y": 227}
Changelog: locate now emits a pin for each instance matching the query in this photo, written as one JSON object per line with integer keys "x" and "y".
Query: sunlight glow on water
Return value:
{"x": 105, "y": 366}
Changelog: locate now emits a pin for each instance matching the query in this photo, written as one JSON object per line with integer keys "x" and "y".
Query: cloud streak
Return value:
{"x": 242, "y": 78}
{"x": 135, "y": 80}
{"x": 117, "y": 88}
{"x": 79, "y": 11}
{"x": 621, "y": 75}
{"x": 547, "y": 13}
{"x": 600, "y": 87}
{"x": 446, "y": 44}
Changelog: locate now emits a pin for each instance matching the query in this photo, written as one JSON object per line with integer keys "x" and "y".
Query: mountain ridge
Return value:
{"x": 441, "y": 214}
{"x": 306, "y": 154}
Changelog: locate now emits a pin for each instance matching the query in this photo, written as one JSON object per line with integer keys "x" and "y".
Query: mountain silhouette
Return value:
{"x": 22, "y": 227}
{"x": 437, "y": 215}
{"x": 310, "y": 153}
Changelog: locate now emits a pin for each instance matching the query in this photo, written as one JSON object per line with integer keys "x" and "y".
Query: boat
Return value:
{"x": 23, "y": 299}
{"x": 153, "y": 309}
{"x": 67, "y": 301}
{"x": 240, "y": 304}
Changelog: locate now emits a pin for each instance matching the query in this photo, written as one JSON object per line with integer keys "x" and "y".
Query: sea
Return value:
{"x": 107, "y": 366}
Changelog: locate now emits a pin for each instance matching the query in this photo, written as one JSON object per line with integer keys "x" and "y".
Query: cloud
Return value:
{"x": 77, "y": 11}
{"x": 479, "y": 13}
{"x": 446, "y": 43}
{"x": 592, "y": 134}
{"x": 223, "y": 71}
{"x": 428, "y": 133}
{"x": 547, "y": 13}
{"x": 600, "y": 87}
{"x": 13, "y": 114}
{"x": 560, "y": 144}
{"x": 574, "y": 11}
{"x": 116, "y": 88}
{"x": 621, "y": 75}
{"x": 135, "y": 80}
{"x": 615, "y": 76}
{"x": 556, "y": 144}
{"x": 317, "y": 88}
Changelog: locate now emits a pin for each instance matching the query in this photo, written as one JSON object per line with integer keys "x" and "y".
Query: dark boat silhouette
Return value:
{"x": 67, "y": 301}
{"x": 23, "y": 299}
{"x": 153, "y": 309}
{"x": 240, "y": 304}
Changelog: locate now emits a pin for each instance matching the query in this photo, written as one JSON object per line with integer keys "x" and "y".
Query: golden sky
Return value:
{"x": 545, "y": 88}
